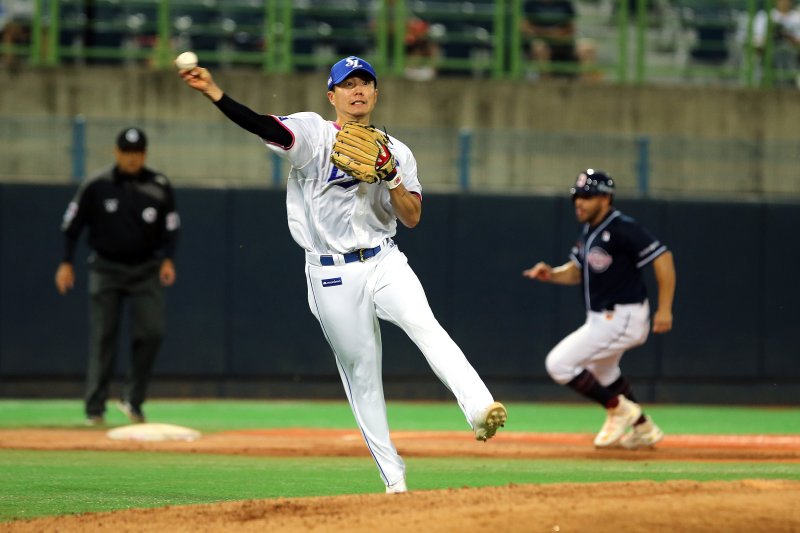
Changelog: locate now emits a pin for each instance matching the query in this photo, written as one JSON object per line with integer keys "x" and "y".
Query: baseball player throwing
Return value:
{"x": 348, "y": 185}
{"x": 607, "y": 261}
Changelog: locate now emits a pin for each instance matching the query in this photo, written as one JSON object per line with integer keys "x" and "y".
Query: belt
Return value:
{"x": 350, "y": 257}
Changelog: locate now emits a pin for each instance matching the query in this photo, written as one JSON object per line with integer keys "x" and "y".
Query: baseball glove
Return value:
{"x": 363, "y": 152}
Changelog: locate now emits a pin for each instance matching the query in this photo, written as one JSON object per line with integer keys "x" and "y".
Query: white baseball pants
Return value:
{"x": 348, "y": 300}
{"x": 599, "y": 343}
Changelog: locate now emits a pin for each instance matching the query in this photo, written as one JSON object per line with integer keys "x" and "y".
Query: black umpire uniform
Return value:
{"x": 133, "y": 226}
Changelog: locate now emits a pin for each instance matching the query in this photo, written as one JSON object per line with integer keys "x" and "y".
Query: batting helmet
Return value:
{"x": 592, "y": 182}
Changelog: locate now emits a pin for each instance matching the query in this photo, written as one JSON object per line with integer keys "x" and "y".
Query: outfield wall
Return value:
{"x": 238, "y": 322}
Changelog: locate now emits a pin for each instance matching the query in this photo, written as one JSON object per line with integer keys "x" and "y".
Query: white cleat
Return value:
{"x": 493, "y": 418}
{"x": 618, "y": 420}
{"x": 397, "y": 488}
{"x": 645, "y": 435}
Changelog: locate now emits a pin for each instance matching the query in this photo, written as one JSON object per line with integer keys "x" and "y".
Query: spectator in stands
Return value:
{"x": 549, "y": 29}
{"x": 421, "y": 51}
{"x": 15, "y": 27}
{"x": 785, "y": 32}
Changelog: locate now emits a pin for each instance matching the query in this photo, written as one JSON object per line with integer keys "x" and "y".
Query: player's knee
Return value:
{"x": 559, "y": 371}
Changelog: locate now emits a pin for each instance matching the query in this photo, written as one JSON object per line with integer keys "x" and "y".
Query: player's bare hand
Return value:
{"x": 167, "y": 273}
{"x": 662, "y": 321}
{"x": 541, "y": 271}
{"x": 65, "y": 278}
{"x": 200, "y": 79}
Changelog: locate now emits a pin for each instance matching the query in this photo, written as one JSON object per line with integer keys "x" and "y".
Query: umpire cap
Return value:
{"x": 348, "y": 66}
{"x": 592, "y": 182}
{"x": 132, "y": 140}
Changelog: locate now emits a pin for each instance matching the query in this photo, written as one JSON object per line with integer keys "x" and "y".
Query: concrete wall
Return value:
{"x": 704, "y": 112}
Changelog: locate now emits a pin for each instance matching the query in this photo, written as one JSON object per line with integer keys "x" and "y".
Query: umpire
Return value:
{"x": 133, "y": 230}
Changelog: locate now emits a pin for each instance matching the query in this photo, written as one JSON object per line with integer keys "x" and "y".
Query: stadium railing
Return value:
{"x": 528, "y": 162}
{"x": 632, "y": 41}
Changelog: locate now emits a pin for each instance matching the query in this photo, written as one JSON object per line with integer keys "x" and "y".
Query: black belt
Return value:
{"x": 358, "y": 255}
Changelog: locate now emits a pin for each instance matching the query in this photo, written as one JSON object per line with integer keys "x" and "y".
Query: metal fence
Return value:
{"x": 215, "y": 153}
{"x": 636, "y": 41}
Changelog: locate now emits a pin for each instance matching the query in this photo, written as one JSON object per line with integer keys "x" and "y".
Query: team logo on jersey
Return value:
{"x": 149, "y": 214}
{"x": 599, "y": 260}
{"x": 111, "y": 205}
{"x": 341, "y": 179}
{"x": 331, "y": 282}
{"x": 605, "y": 236}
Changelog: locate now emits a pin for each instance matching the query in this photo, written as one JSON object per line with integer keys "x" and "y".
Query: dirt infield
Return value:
{"x": 748, "y": 505}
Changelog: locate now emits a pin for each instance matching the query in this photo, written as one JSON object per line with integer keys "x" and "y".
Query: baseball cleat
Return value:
{"x": 645, "y": 435}
{"x": 95, "y": 420}
{"x": 619, "y": 419}
{"x": 493, "y": 418}
{"x": 397, "y": 488}
{"x": 136, "y": 416}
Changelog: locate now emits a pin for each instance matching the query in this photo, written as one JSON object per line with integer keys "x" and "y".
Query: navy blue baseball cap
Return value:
{"x": 591, "y": 182}
{"x": 347, "y": 67}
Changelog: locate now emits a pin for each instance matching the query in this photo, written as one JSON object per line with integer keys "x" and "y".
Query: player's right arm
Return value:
{"x": 267, "y": 127}
{"x": 566, "y": 274}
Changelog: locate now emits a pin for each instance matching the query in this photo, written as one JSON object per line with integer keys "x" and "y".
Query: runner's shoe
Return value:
{"x": 645, "y": 435}
{"x": 619, "y": 419}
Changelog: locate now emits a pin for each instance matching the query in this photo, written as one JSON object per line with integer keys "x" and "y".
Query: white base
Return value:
{"x": 153, "y": 433}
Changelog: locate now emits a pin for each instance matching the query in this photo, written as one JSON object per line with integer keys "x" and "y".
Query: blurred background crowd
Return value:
{"x": 743, "y": 42}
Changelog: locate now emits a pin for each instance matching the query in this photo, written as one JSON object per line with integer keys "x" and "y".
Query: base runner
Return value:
{"x": 607, "y": 261}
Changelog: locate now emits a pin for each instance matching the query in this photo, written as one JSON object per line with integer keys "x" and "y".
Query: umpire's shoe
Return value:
{"x": 493, "y": 418}
{"x": 619, "y": 419}
{"x": 95, "y": 420}
{"x": 135, "y": 415}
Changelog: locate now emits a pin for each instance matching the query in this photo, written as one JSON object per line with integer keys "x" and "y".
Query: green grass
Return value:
{"x": 39, "y": 483}
{"x": 56, "y": 483}
{"x": 221, "y": 415}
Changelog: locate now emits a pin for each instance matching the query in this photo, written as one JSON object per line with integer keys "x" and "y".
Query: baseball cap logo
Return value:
{"x": 353, "y": 62}
{"x": 132, "y": 136}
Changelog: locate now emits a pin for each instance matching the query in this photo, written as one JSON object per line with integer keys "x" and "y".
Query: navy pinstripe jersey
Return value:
{"x": 611, "y": 256}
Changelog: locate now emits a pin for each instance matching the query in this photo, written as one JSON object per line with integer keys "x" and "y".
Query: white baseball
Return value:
{"x": 185, "y": 61}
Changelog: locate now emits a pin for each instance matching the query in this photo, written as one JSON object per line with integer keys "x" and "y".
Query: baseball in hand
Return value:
{"x": 186, "y": 61}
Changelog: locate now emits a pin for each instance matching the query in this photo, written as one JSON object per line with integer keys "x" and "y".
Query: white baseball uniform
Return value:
{"x": 356, "y": 275}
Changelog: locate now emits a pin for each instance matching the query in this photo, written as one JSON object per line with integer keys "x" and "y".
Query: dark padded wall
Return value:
{"x": 239, "y": 309}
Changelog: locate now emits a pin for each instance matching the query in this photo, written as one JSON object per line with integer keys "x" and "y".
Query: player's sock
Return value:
{"x": 623, "y": 386}
{"x": 586, "y": 384}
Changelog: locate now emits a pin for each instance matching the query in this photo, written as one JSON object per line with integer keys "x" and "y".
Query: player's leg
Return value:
{"x": 572, "y": 363}
{"x": 636, "y": 318}
{"x": 629, "y": 327}
{"x": 339, "y": 298}
{"x": 105, "y": 310}
{"x": 147, "y": 312}
{"x": 400, "y": 299}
